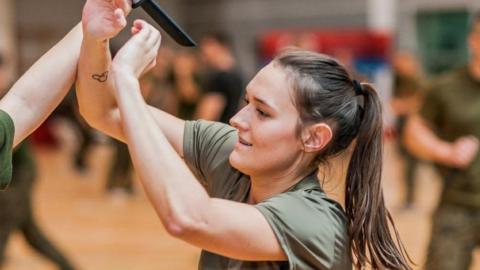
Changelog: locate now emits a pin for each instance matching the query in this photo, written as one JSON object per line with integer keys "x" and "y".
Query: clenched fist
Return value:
{"x": 104, "y": 19}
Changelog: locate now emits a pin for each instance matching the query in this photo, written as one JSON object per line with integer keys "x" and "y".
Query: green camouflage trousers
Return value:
{"x": 455, "y": 234}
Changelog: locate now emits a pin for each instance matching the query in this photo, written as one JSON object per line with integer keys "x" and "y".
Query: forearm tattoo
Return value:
{"x": 101, "y": 77}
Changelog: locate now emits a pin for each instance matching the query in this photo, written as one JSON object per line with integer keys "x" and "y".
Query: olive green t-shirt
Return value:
{"x": 310, "y": 228}
{"x": 6, "y": 143}
{"x": 452, "y": 108}
{"x": 406, "y": 86}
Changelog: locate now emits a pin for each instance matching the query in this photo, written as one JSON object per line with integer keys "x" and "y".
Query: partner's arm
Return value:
{"x": 94, "y": 82}
{"x": 36, "y": 94}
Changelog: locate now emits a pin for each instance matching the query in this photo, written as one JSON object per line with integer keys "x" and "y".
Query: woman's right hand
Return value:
{"x": 139, "y": 54}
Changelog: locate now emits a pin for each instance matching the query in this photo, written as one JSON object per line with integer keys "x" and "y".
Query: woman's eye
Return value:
{"x": 262, "y": 113}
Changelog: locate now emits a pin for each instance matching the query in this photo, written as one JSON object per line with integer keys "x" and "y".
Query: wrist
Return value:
{"x": 127, "y": 87}
{"x": 92, "y": 40}
{"x": 90, "y": 35}
{"x": 123, "y": 75}
{"x": 122, "y": 70}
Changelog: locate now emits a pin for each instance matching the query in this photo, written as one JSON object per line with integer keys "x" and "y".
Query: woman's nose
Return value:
{"x": 238, "y": 121}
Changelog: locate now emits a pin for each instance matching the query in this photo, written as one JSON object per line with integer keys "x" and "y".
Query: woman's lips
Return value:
{"x": 244, "y": 142}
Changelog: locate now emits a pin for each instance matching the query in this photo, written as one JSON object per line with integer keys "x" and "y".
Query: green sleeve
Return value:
{"x": 206, "y": 149}
{"x": 433, "y": 108}
{"x": 7, "y": 130}
{"x": 309, "y": 232}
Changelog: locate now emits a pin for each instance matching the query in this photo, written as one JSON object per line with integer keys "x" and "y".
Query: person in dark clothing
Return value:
{"x": 16, "y": 212}
{"x": 120, "y": 172}
{"x": 406, "y": 100}
{"x": 446, "y": 131}
{"x": 186, "y": 81}
{"x": 68, "y": 109}
{"x": 223, "y": 86}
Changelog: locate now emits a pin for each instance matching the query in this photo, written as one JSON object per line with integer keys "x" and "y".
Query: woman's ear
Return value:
{"x": 316, "y": 137}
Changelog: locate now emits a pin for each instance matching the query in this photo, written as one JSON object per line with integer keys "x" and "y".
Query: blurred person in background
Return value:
{"x": 223, "y": 83}
{"x": 264, "y": 207}
{"x": 447, "y": 131}
{"x": 158, "y": 84}
{"x": 406, "y": 100}
{"x": 68, "y": 110}
{"x": 186, "y": 82}
{"x": 86, "y": 135}
{"x": 120, "y": 173}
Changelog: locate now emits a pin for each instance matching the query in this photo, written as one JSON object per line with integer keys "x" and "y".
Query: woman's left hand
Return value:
{"x": 139, "y": 54}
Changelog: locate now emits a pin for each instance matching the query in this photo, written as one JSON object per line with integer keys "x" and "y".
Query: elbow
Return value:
{"x": 83, "y": 113}
{"x": 95, "y": 119}
{"x": 176, "y": 229}
{"x": 183, "y": 227}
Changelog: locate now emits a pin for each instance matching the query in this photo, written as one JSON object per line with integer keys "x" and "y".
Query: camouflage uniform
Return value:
{"x": 452, "y": 108}
{"x": 405, "y": 87}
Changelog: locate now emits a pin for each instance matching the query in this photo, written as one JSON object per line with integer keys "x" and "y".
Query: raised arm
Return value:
{"x": 182, "y": 204}
{"x": 424, "y": 143}
{"x": 36, "y": 94}
{"x": 101, "y": 20}
{"x": 94, "y": 82}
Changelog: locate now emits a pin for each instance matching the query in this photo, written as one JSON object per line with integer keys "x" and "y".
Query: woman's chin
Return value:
{"x": 238, "y": 162}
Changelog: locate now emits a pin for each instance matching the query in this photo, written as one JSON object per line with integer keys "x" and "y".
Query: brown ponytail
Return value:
{"x": 364, "y": 203}
{"x": 325, "y": 92}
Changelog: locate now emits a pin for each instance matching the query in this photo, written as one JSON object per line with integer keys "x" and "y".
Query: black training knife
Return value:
{"x": 168, "y": 24}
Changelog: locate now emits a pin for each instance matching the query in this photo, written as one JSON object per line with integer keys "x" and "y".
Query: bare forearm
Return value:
{"x": 182, "y": 204}
{"x": 36, "y": 94}
{"x": 172, "y": 189}
{"x": 97, "y": 103}
{"x": 422, "y": 142}
{"x": 94, "y": 87}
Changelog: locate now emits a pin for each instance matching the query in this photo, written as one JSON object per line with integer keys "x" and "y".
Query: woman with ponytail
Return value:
{"x": 250, "y": 197}
{"x": 325, "y": 92}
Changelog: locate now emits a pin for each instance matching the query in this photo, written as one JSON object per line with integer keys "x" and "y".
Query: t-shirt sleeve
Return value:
{"x": 7, "y": 130}
{"x": 206, "y": 149}
{"x": 432, "y": 108}
{"x": 304, "y": 228}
